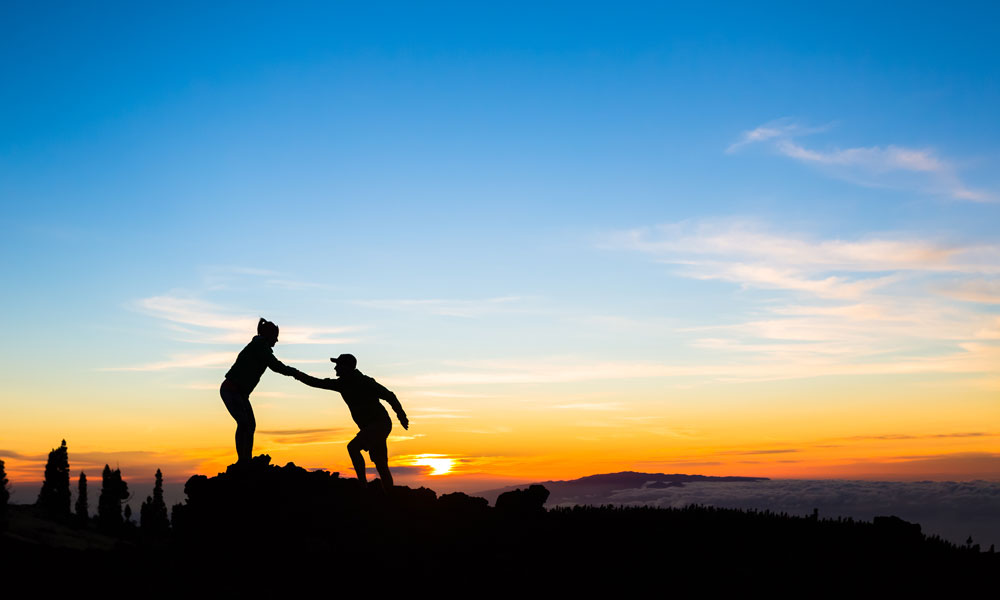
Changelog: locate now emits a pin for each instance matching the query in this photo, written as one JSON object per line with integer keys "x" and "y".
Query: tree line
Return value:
{"x": 114, "y": 515}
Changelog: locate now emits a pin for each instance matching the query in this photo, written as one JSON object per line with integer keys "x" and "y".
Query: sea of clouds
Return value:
{"x": 952, "y": 510}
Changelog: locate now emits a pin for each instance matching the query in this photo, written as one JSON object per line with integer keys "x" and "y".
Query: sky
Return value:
{"x": 574, "y": 238}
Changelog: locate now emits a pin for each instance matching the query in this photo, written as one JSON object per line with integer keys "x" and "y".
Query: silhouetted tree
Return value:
{"x": 114, "y": 491}
{"x": 55, "y": 496}
{"x": 4, "y": 494}
{"x": 153, "y": 512}
{"x": 82, "y": 507}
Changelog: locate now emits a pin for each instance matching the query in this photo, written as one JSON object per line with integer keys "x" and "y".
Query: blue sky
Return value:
{"x": 684, "y": 193}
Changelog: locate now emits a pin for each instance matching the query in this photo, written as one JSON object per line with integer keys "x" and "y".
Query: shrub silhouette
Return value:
{"x": 54, "y": 496}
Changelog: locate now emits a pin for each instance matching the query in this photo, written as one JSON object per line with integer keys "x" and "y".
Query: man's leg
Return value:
{"x": 380, "y": 456}
{"x": 354, "y": 450}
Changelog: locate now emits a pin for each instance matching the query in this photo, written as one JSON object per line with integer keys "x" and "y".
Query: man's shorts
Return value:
{"x": 372, "y": 437}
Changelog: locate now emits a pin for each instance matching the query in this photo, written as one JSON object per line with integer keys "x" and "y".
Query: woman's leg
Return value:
{"x": 239, "y": 407}
{"x": 244, "y": 434}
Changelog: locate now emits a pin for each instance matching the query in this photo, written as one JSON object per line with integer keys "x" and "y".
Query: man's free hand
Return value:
{"x": 404, "y": 421}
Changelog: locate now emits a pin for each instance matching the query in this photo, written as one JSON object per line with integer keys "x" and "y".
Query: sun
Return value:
{"x": 439, "y": 464}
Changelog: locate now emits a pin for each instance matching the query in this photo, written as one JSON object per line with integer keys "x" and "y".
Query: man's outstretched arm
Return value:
{"x": 323, "y": 384}
{"x": 393, "y": 401}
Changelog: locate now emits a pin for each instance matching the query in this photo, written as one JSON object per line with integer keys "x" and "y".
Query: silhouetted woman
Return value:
{"x": 243, "y": 377}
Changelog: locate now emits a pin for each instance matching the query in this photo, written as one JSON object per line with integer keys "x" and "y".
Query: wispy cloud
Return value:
{"x": 927, "y": 436}
{"x": 294, "y": 284}
{"x": 753, "y": 244}
{"x": 223, "y": 277}
{"x": 298, "y": 431}
{"x": 541, "y": 370}
{"x": 204, "y": 322}
{"x": 25, "y": 457}
{"x": 754, "y": 452}
{"x": 207, "y": 360}
{"x": 591, "y": 406}
{"x": 438, "y": 394}
{"x": 220, "y": 277}
{"x": 766, "y": 365}
{"x": 986, "y": 291}
{"x": 421, "y": 416}
{"x": 778, "y": 129}
{"x": 294, "y": 437}
{"x": 447, "y": 308}
{"x": 191, "y": 311}
{"x": 893, "y": 166}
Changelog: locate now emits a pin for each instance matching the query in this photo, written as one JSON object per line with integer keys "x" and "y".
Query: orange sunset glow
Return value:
{"x": 595, "y": 240}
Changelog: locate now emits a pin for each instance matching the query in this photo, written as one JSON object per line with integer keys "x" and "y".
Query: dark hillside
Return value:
{"x": 285, "y": 527}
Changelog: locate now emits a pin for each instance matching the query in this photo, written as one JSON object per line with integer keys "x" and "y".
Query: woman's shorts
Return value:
{"x": 237, "y": 403}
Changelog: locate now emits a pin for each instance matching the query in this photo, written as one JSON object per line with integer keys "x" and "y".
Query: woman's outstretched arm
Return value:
{"x": 279, "y": 367}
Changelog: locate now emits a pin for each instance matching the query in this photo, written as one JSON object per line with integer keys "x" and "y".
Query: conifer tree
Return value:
{"x": 114, "y": 491}
{"x": 82, "y": 507}
{"x": 55, "y": 495}
{"x": 4, "y": 494}
{"x": 153, "y": 512}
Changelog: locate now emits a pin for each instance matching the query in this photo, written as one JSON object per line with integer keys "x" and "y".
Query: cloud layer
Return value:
{"x": 953, "y": 510}
{"x": 887, "y": 303}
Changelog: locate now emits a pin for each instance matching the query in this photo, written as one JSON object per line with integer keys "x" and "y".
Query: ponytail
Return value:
{"x": 267, "y": 329}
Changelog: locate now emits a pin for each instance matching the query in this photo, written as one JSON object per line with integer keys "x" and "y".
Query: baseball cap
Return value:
{"x": 346, "y": 360}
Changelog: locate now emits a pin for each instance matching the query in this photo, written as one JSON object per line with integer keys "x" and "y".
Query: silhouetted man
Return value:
{"x": 243, "y": 377}
{"x": 362, "y": 394}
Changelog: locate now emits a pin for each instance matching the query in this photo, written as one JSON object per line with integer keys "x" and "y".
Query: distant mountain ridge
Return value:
{"x": 596, "y": 487}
